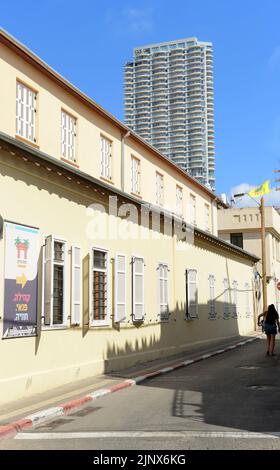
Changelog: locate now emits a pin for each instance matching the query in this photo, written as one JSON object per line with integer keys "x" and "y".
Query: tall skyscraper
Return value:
{"x": 169, "y": 102}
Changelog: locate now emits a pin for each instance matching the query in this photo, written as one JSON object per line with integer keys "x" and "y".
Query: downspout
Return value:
{"x": 124, "y": 136}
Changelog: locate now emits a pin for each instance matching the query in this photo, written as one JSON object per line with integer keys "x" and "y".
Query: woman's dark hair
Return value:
{"x": 271, "y": 313}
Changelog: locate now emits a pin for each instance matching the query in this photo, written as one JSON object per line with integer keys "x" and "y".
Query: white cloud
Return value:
{"x": 139, "y": 20}
{"x": 271, "y": 199}
{"x": 274, "y": 59}
{"x": 133, "y": 20}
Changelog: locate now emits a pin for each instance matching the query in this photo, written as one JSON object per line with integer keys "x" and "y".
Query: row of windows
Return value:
{"x": 55, "y": 276}
{"x": 26, "y": 128}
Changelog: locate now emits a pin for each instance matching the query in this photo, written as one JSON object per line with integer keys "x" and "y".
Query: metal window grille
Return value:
{"x": 99, "y": 290}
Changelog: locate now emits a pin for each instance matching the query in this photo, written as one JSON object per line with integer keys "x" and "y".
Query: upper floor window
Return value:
{"x": 207, "y": 217}
{"x": 106, "y": 158}
{"x": 68, "y": 137}
{"x": 236, "y": 239}
{"x": 159, "y": 189}
{"x": 179, "y": 201}
{"x": 135, "y": 175}
{"x": 25, "y": 112}
{"x": 192, "y": 209}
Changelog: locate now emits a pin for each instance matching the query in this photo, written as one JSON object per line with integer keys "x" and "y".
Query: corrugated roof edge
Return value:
{"x": 20, "y": 48}
{"x": 6, "y": 139}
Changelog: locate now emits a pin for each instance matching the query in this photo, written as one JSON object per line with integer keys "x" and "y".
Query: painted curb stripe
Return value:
{"x": 31, "y": 421}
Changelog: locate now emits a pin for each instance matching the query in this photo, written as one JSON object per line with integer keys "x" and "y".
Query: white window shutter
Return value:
{"x": 76, "y": 300}
{"x": 48, "y": 277}
{"x": 90, "y": 286}
{"x": 192, "y": 293}
{"x": 120, "y": 287}
{"x": 138, "y": 288}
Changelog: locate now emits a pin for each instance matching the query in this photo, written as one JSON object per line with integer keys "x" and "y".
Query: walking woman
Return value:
{"x": 270, "y": 324}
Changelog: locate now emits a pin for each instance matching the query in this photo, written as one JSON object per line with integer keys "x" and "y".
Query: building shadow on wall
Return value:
{"x": 173, "y": 337}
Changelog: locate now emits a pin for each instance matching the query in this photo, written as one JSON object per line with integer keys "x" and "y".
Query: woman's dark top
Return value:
{"x": 271, "y": 317}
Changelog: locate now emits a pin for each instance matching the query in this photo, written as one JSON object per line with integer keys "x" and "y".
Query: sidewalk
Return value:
{"x": 76, "y": 394}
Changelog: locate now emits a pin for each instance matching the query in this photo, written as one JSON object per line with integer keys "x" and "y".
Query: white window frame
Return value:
{"x": 106, "y": 157}
{"x": 192, "y": 206}
{"x": 188, "y": 313}
{"x": 212, "y": 300}
{"x": 163, "y": 316}
{"x": 134, "y": 274}
{"x": 179, "y": 200}
{"x": 135, "y": 175}
{"x": 226, "y": 298}
{"x": 106, "y": 321}
{"x": 55, "y": 238}
{"x": 117, "y": 317}
{"x": 26, "y": 112}
{"x": 68, "y": 127}
{"x": 159, "y": 188}
{"x": 207, "y": 217}
{"x": 76, "y": 320}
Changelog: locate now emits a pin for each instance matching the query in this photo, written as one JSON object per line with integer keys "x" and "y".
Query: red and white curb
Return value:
{"x": 33, "y": 420}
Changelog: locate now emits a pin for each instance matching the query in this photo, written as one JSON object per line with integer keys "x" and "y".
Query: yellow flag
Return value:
{"x": 260, "y": 190}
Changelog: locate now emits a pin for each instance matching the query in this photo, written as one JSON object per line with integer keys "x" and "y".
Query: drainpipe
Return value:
{"x": 124, "y": 136}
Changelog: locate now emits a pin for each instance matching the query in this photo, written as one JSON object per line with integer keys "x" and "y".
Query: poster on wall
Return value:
{"x": 20, "y": 280}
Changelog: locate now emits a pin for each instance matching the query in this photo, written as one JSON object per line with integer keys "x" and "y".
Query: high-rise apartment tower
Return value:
{"x": 169, "y": 102}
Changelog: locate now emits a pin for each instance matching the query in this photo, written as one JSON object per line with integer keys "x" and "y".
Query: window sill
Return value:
{"x": 26, "y": 141}
{"x": 54, "y": 327}
{"x": 69, "y": 162}
{"x": 108, "y": 180}
{"x": 136, "y": 194}
{"x": 98, "y": 323}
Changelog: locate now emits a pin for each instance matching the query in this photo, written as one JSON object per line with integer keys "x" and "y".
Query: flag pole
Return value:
{"x": 264, "y": 283}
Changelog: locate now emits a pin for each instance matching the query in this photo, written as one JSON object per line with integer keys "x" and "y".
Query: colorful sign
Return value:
{"x": 21, "y": 279}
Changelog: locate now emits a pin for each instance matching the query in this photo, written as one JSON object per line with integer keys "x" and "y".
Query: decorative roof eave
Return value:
{"x": 34, "y": 60}
{"x": 225, "y": 245}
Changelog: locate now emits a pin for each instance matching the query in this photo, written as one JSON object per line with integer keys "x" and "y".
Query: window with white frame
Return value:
{"x": 191, "y": 293}
{"x": 192, "y": 209}
{"x": 179, "y": 201}
{"x": 68, "y": 137}
{"x": 99, "y": 288}
{"x": 212, "y": 303}
{"x": 138, "y": 288}
{"x": 120, "y": 287}
{"x": 25, "y": 112}
{"x": 135, "y": 175}
{"x": 207, "y": 217}
{"x": 106, "y": 157}
{"x": 163, "y": 291}
{"x": 226, "y": 298}
{"x": 159, "y": 189}
{"x": 235, "y": 298}
{"x": 55, "y": 279}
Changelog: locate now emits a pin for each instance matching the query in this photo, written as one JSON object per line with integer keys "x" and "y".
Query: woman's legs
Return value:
{"x": 268, "y": 337}
{"x": 272, "y": 344}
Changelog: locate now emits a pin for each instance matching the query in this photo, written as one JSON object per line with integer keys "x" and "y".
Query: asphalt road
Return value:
{"x": 219, "y": 403}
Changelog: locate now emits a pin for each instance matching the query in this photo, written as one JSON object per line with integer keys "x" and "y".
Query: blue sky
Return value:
{"x": 88, "y": 42}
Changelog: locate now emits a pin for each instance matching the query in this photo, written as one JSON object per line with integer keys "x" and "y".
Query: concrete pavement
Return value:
{"x": 228, "y": 401}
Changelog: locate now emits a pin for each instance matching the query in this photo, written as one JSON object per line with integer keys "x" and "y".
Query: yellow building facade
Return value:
{"x": 127, "y": 263}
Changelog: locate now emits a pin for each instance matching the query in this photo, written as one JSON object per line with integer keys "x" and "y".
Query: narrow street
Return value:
{"x": 219, "y": 403}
